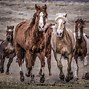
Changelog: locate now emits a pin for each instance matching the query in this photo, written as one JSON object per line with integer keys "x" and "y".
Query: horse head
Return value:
{"x": 40, "y": 16}
{"x": 9, "y": 33}
{"x": 60, "y": 24}
{"x": 79, "y": 24}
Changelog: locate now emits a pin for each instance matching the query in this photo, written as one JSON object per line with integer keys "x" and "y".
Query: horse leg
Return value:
{"x": 33, "y": 62}
{"x": 69, "y": 75}
{"x": 29, "y": 59}
{"x": 42, "y": 60}
{"x": 8, "y": 65}
{"x": 86, "y": 74}
{"x": 49, "y": 63}
{"x": 60, "y": 66}
{"x": 2, "y": 64}
{"x": 76, "y": 67}
{"x": 19, "y": 58}
{"x": 9, "y": 62}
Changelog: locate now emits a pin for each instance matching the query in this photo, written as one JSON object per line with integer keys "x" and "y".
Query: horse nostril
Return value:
{"x": 60, "y": 33}
{"x": 39, "y": 27}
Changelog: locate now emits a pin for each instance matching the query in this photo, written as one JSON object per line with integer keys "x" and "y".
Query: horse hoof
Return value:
{"x": 32, "y": 76}
{"x": 86, "y": 76}
{"x": 7, "y": 73}
{"x": 76, "y": 79}
{"x": 42, "y": 79}
{"x": 2, "y": 71}
{"x": 22, "y": 78}
{"x": 32, "y": 79}
{"x": 27, "y": 75}
{"x": 62, "y": 77}
{"x": 69, "y": 77}
{"x": 50, "y": 74}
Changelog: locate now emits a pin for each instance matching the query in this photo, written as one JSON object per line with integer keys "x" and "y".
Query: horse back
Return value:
{"x": 20, "y": 31}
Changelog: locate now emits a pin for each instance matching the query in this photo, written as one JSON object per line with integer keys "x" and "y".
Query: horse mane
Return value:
{"x": 46, "y": 29}
{"x": 31, "y": 25}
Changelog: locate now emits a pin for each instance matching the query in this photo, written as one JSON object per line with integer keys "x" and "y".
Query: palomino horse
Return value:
{"x": 81, "y": 45}
{"x": 62, "y": 44}
{"x": 27, "y": 40}
{"x": 7, "y": 48}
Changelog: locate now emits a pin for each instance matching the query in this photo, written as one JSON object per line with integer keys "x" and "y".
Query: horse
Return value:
{"x": 45, "y": 45}
{"x": 80, "y": 47}
{"x": 7, "y": 49}
{"x": 62, "y": 43}
{"x": 27, "y": 40}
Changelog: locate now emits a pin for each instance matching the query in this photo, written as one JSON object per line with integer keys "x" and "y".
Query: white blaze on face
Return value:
{"x": 41, "y": 23}
{"x": 78, "y": 33}
{"x": 60, "y": 27}
{"x": 10, "y": 30}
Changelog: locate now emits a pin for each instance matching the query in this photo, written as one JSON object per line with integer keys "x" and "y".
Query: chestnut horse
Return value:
{"x": 45, "y": 44}
{"x": 62, "y": 44}
{"x": 81, "y": 45}
{"x": 7, "y": 49}
{"x": 27, "y": 40}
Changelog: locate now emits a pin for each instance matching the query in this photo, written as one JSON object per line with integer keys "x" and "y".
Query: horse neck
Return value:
{"x": 32, "y": 27}
{"x": 67, "y": 37}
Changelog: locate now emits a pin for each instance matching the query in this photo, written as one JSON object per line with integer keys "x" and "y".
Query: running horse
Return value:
{"x": 80, "y": 47}
{"x": 7, "y": 49}
{"x": 27, "y": 36}
{"x": 62, "y": 43}
{"x": 45, "y": 44}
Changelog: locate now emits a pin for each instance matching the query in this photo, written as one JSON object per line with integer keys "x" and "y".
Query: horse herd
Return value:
{"x": 36, "y": 38}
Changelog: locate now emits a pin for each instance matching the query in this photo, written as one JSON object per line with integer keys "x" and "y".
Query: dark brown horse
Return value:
{"x": 7, "y": 49}
{"x": 62, "y": 44}
{"x": 81, "y": 45}
{"x": 27, "y": 37}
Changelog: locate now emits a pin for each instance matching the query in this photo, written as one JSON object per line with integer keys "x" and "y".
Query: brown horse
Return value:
{"x": 27, "y": 39}
{"x": 7, "y": 49}
{"x": 62, "y": 44}
{"x": 81, "y": 45}
{"x": 45, "y": 45}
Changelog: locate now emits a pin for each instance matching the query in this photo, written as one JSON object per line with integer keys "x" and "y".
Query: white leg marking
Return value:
{"x": 75, "y": 68}
{"x": 20, "y": 68}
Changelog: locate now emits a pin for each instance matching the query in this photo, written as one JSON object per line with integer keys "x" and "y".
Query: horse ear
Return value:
{"x": 7, "y": 27}
{"x": 45, "y": 6}
{"x": 65, "y": 15}
{"x": 12, "y": 27}
{"x": 37, "y": 7}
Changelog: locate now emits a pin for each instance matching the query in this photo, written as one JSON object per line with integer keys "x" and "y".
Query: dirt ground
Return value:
{"x": 14, "y": 11}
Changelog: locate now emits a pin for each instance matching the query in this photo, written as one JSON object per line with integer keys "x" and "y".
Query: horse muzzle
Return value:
{"x": 59, "y": 34}
{"x": 41, "y": 28}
